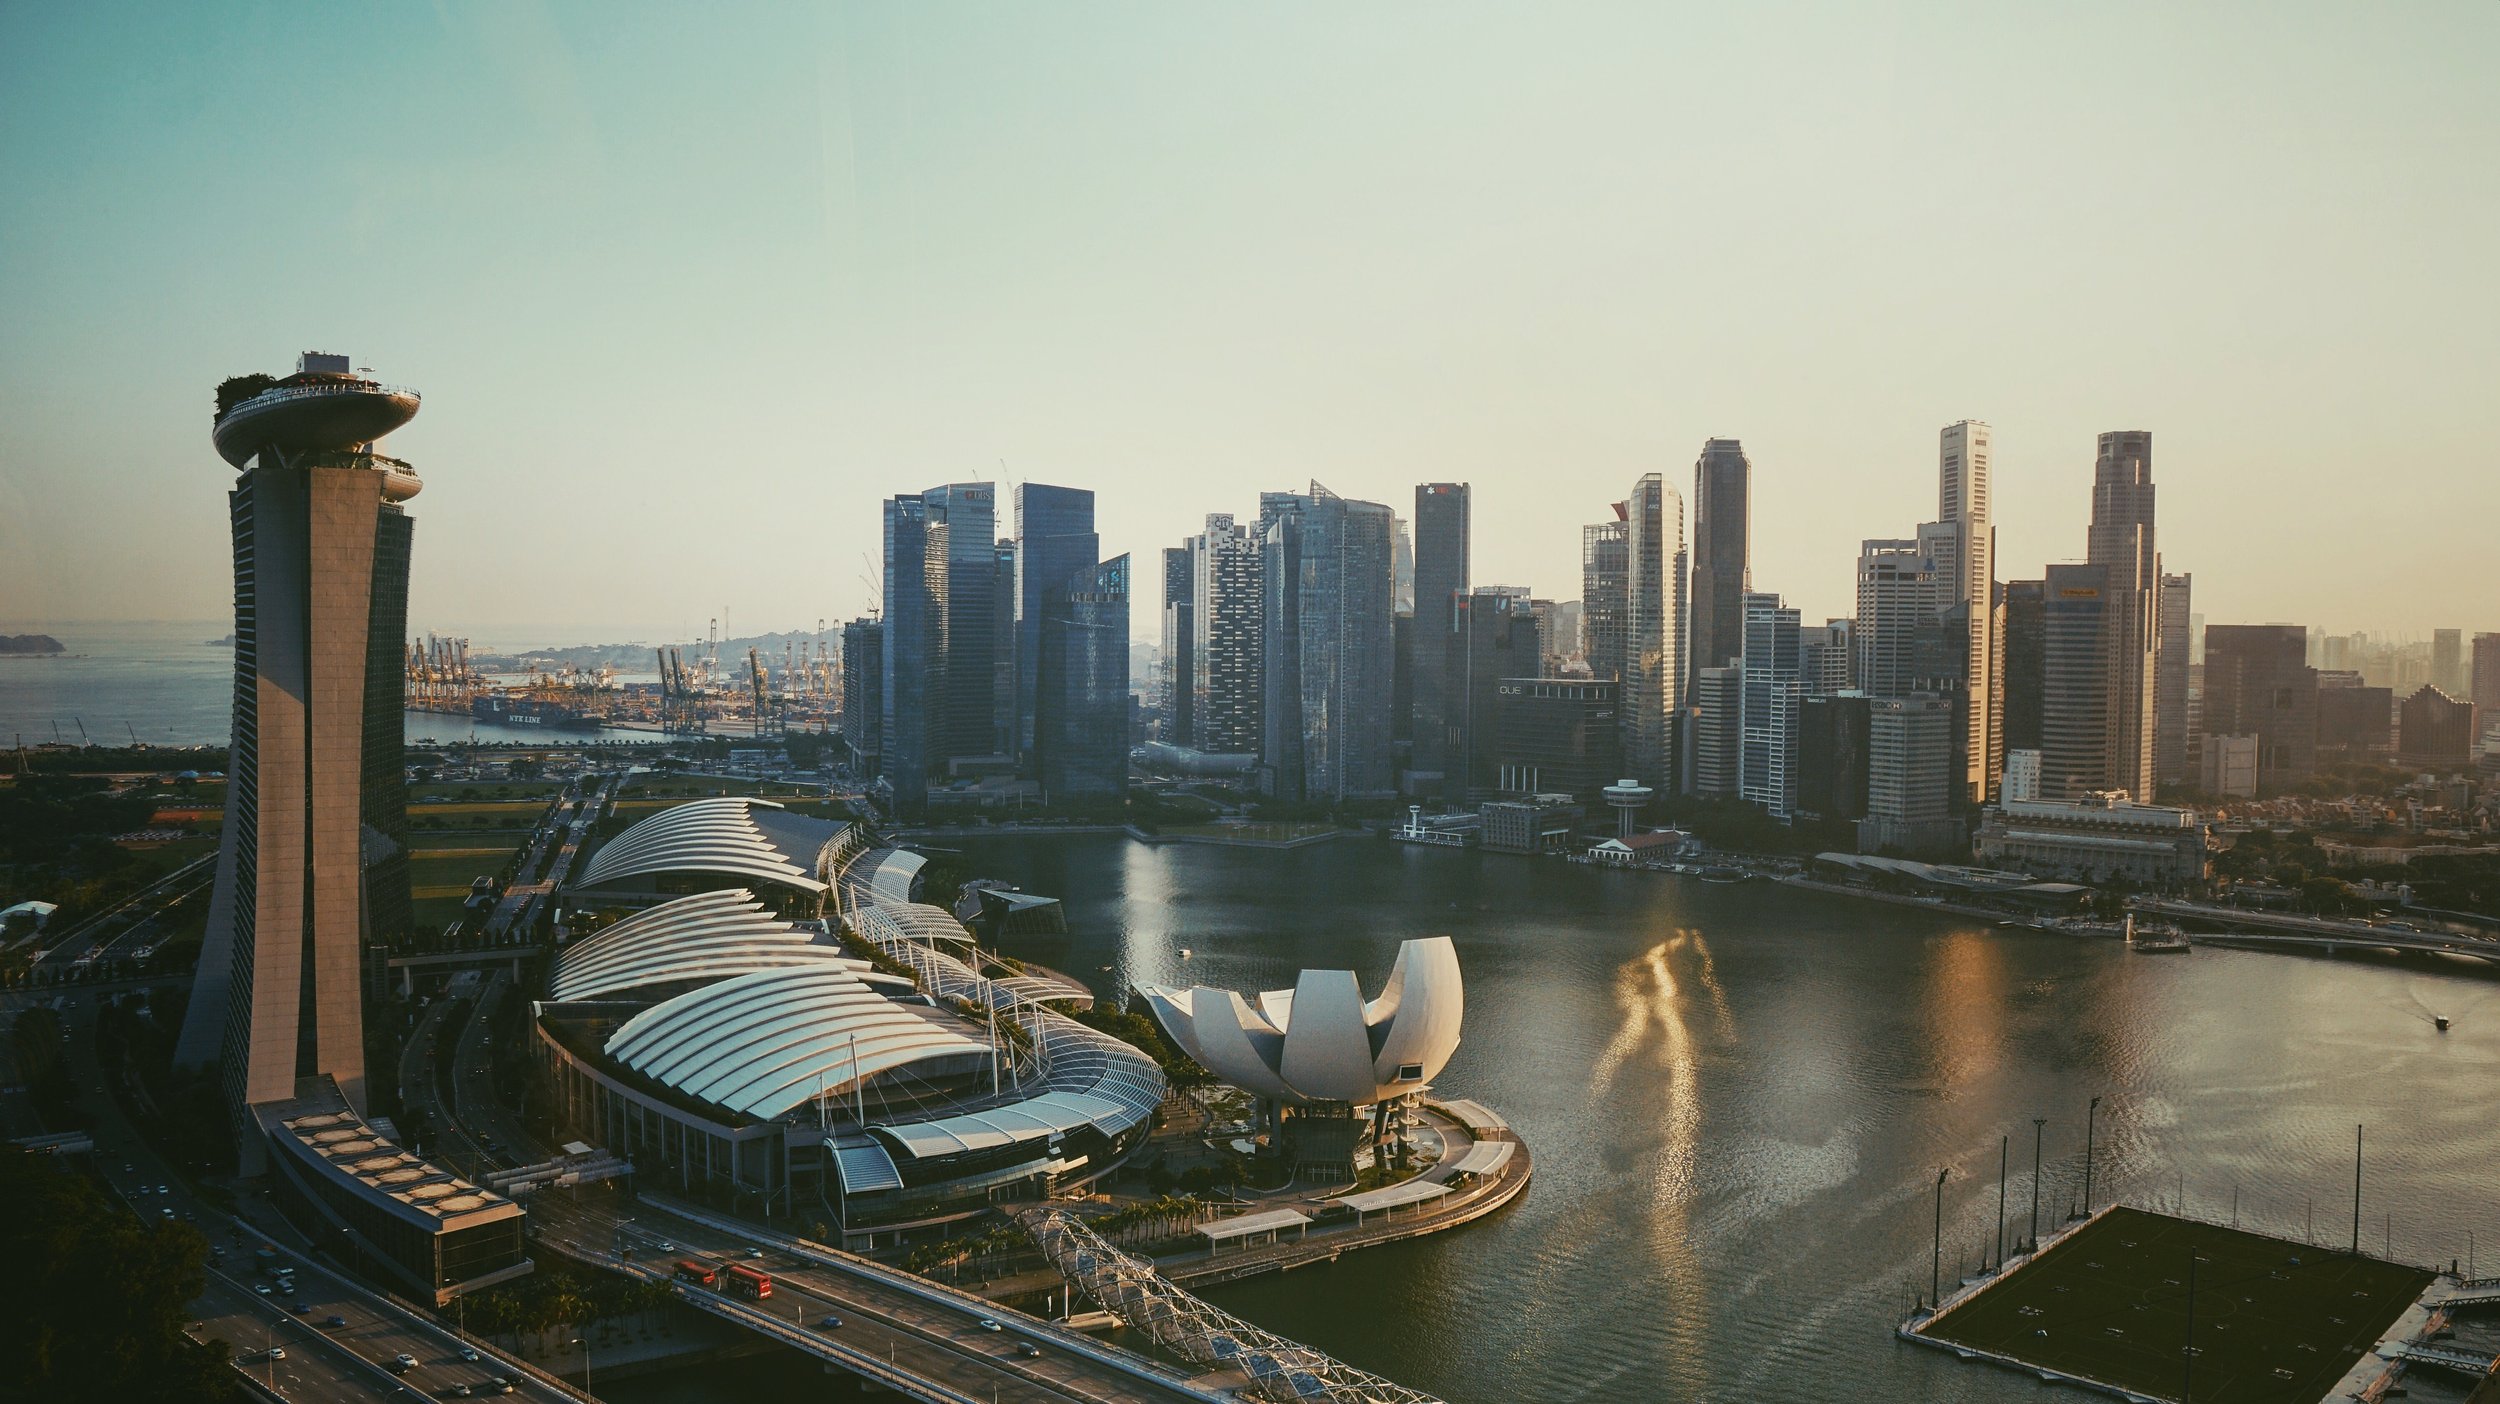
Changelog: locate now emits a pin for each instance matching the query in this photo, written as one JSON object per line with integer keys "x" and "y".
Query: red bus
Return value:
{"x": 700, "y": 1274}
{"x": 745, "y": 1281}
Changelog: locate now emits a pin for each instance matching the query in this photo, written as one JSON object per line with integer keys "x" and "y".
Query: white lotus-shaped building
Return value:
{"x": 1319, "y": 1041}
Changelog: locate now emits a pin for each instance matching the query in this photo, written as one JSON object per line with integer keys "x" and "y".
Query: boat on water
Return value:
{"x": 2156, "y": 938}
{"x": 1723, "y": 874}
{"x": 2440, "y": 1022}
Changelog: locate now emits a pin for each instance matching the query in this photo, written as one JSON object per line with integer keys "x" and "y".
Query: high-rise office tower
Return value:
{"x": 1559, "y": 736}
{"x": 1655, "y": 620}
{"x": 1498, "y": 636}
{"x": 1773, "y": 691}
{"x": 904, "y": 722}
{"x": 1909, "y": 778}
{"x": 1007, "y": 714}
{"x": 863, "y": 692}
{"x": 1832, "y": 740}
{"x": 1402, "y": 566}
{"x": 1441, "y": 586}
{"x": 2026, "y": 662}
{"x": 1328, "y": 642}
{"x": 2122, "y": 542}
{"x": 1827, "y": 661}
{"x": 2171, "y": 660}
{"x": 962, "y": 580}
{"x": 1722, "y": 533}
{"x": 2486, "y": 689}
{"x": 1605, "y": 575}
{"x": 1965, "y": 550}
{"x": 1080, "y": 722}
{"x": 2258, "y": 683}
{"x": 311, "y": 863}
{"x": 1055, "y": 539}
{"x": 1714, "y": 756}
{"x": 1179, "y": 719}
{"x": 2448, "y": 661}
{"x": 1899, "y": 594}
{"x": 2082, "y": 626}
{"x": 1225, "y": 652}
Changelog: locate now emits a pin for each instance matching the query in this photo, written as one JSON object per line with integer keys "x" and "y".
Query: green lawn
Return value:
{"x": 2275, "y": 1322}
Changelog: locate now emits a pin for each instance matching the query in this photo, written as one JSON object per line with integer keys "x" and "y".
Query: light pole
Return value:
{"x": 2187, "y": 1352}
{"x": 1935, "y": 1263}
{"x": 2004, "y": 1143}
{"x": 585, "y": 1345}
{"x": 2039, "y": 1125}
{"x": 2091, "y": 1114}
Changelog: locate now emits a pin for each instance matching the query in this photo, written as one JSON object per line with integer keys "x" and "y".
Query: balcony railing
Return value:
{"x": 305, "y": 392}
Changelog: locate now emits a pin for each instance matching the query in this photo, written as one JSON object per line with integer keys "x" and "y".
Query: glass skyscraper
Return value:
{"x": 1080, "y": 724}
{"x": 1328, "y": 645}
{"x": 1055, "y": 540}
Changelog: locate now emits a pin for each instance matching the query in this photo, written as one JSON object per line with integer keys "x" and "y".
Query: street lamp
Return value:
{"x": 2039, "y": 1125}
{"x": 2090, "y": 1115}
{"x": 1935, "y": 1264}
{"x": 585, "y": 1345}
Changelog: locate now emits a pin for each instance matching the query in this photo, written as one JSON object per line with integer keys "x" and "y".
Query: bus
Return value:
{"x": 700, "y": 1274}
{"x": 746, "y": 1282}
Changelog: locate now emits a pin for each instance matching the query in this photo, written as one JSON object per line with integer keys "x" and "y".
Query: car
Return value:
{"x": 168, "y": 1213}
{"x": 276, "y": 1353}
{"x": 1028, "y": 1350}
{"x": 469, "y": 1354}
{"x": 299, "y": 1309}
{"x": 334, "y": 1321}
{"x": 829, "y": 1323}
{"x": 461, "y": 1391}
{"x": 754, "y": 1253}
{"x": 261, "y": 1287}
{"x": 497, "y": 1385}
{"x": 217, "y": 1250}
{"x": 667, "y": 1247}
{"x": 404, "y": 1360}
{"x": 986, "y": 1324}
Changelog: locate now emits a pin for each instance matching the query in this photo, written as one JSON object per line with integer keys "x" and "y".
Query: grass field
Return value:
{"x": 2275, "y": 1322}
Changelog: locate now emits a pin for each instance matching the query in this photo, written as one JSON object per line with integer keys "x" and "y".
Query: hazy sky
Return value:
{"x": 689, "y": 288}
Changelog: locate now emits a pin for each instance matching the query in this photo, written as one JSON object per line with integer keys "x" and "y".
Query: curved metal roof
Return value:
{"x": 736, "y": 835}
{"x": 709, "y": 936}
{"x": 765, "y": 1043}
{"x": 913, "y": 921}
{"x": 881, "y": 877}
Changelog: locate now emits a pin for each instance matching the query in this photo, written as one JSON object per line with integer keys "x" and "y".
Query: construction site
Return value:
{"x": 791, "y": 683}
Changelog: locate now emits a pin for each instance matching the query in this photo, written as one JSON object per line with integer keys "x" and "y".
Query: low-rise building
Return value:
{"x": 2104, "y": 837}
{"x": 1531, "y": 824}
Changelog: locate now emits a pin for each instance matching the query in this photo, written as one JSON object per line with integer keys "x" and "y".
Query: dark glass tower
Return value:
{"x": 1722, "y": 526}
{"x": 1081, "y": 722}
{"x": 1441, "y": 574}
{"x": 1055, "y": 540}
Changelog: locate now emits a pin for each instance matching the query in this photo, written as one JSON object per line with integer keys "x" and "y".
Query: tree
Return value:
{"x": 100, "y": 1297}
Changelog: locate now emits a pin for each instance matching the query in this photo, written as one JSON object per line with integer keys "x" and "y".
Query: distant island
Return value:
{"x": 226, "y": 642}
{"x": 30, "y": 643}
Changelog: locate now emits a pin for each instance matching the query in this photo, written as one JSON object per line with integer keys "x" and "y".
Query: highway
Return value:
{"x": 347, "y": 1362}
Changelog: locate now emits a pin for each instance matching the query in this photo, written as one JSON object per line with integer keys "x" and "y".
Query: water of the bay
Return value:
{"x": 1739, "y": 1097}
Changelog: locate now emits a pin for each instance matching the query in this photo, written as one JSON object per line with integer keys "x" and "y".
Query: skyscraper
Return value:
{"x": 1225, "y": 651}
{"x": 1827, "y": 660}
{"x": 2448, "y": 661}
{"x": 863, "y": 692}
{"x": 1909, "y": 778}
{"x": 962, "y": 580}
{"x": 1965, "y": 550}
{"x": 1080, "y": 730}
{"x": 1899, "y": 594}
{"x": 2026, "y": 662}
{"x": 1497, "y": 637}
{"x": 310, "y": 864}
{"x": 1605, "y": 573}
{"x": 2486, "y": 690}
{"x": 2258, "y": 683}
{"x": 2122, "y": 542}
{"x": 1441, "y": 583}
{"x": 1714, "y": 728}
{"x": 1722, "y": 527}
{"x": 903, "y": 703}
{"x": 2082, "y": 625}
{"x": 1055, "y": 540}
{"x": 1179, "y": 717}
{"x": 1654, "y": 624}
{"x": 1327, "y": 643}
{"x": 1773, "y": 691}
{"x": 2171, "y": 660}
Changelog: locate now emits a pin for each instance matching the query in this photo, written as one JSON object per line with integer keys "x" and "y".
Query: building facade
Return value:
{"x": 2105, "y": 838}
{"x": 2174, "y": 744}
{"x": 1055, "y": 542}
{"x": 863, "y": 693}
{"x": 2081, "y": 633}
{"x": 1605, "y": 582}
{"x": 1832, "y": 740}
{"x": 2435, "y": 732}
{"x": 1716, "y": 754}
{"x": 2257, "y": 683}
{"x": 1327, "y": 647}
{"x": 1909, "y": 777}
{"x": 1080, "y": 731}
{"x": 1559, "y": 736}
{"x": 1722, "y": 538}
{"x": 1771, "y": 691}
{"x": 1964, "y": 548}
{"x": 1496, "y": 638}
{"x": 1441, "y": 589}
{"x": 1225, "y": 653}
{"x": 311, "y": 862}
{"x": 2122, "y": 543}
{"x": 1654, "y": 622}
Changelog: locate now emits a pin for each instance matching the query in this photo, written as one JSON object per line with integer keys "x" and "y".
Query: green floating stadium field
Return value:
{"x": 2276, "y": 1322}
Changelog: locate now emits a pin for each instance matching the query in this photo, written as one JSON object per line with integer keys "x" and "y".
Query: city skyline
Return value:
{"x": 583, "y": 341}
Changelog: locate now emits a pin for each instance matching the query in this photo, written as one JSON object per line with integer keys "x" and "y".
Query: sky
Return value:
{"x": 689, "y": 289}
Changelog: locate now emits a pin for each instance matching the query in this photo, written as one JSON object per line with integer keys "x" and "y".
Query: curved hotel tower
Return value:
{"x": 311, "y": 863}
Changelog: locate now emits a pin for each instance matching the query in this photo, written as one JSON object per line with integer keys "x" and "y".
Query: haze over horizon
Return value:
{"x": 688, "y": 294}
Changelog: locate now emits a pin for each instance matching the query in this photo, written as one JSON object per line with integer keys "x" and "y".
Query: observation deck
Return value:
{"x": 313, "y": 413}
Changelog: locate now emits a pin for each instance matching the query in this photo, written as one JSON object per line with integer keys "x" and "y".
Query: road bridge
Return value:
{"x": 2446, "y": 1357}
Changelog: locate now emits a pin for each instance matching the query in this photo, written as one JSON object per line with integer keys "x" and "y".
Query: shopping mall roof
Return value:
{"x": 709, "y": 936}
{"x": 910, "y": 921}
{"x": 738, "y": 836}
{"x": 763, "y": 1044}
{"x": 881, "y": 877}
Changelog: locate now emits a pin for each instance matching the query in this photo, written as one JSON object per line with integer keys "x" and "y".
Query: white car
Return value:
{"x": 469, "y": 1354}
{"x": 404, "y": 1360}
{"x": 277, "y": 1352}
